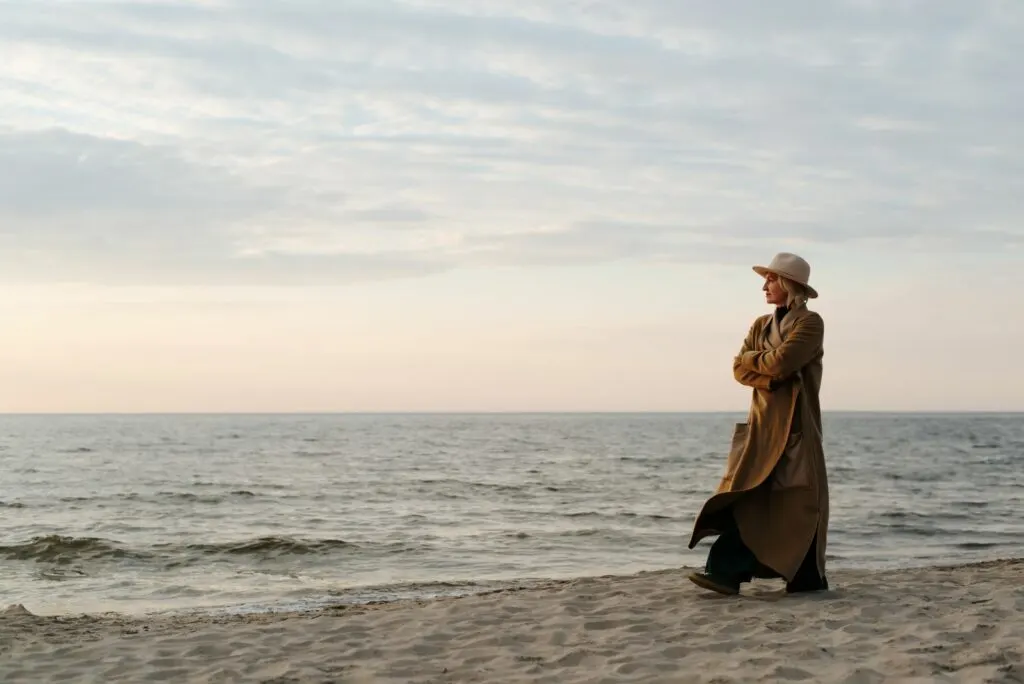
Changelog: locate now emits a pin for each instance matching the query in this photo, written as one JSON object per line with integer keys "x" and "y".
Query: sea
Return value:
{"x": 142, "y": 514}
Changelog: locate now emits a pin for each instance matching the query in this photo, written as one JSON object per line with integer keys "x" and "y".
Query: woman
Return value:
{"x": 770, "y": 511}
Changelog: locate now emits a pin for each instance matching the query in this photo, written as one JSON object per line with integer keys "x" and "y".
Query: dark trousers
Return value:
{"x": 731, "y": 561}
{"x": 729, "y": 558}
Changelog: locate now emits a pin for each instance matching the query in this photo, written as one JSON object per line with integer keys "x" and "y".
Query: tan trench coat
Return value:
{"x": 775, "y": 478}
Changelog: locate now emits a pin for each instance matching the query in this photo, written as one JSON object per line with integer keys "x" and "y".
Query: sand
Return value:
{"x": 956, "y": 624}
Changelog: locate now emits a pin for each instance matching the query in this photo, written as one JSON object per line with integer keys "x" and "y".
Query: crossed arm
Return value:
{"x": 765, "y": 369}
{"x": 746, "y": 376}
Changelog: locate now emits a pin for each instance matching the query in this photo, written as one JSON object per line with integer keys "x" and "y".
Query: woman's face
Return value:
{"x": 773, "y": 292}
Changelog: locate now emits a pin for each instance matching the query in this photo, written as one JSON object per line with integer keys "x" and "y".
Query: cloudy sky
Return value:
{"x": 289, "y": 205}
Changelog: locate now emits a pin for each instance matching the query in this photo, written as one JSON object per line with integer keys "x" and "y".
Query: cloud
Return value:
{"x": 314, "y": 141}
{"x": 56, "y": 173}
{"x": 391, "y": 214}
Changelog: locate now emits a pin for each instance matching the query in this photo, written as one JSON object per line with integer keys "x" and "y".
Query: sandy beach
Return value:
{"x": 947, "y": 624}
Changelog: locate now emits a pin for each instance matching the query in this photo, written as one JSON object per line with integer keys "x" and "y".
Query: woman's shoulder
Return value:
{"x": 809, "y": 323}
{"x": 811, "y": 316}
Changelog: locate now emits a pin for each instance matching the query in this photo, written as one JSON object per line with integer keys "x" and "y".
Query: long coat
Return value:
{"x": 775, "y": 481}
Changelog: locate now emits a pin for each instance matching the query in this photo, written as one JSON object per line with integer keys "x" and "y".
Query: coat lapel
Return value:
{"x": 773, "y": 331}
{"x": 776, "y": 331}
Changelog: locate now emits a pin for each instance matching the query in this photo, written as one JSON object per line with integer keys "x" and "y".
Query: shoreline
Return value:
{"x": 454, "y": 588}
{"x": 957, "y": 622}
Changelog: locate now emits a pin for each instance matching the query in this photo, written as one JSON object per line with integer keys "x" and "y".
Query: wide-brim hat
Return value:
{"x": 789, "y": 266}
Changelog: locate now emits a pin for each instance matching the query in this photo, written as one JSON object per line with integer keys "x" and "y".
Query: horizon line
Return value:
{"x": 500, "y": 412}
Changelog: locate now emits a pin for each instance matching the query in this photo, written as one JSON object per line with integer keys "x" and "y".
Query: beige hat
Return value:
{"x": 789, "y": 266}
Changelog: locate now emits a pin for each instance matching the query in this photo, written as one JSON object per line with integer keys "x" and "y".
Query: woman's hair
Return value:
{"x": 797, "y": 293}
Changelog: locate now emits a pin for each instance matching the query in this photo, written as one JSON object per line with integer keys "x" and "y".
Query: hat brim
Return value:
{"x": 764, "y": 270}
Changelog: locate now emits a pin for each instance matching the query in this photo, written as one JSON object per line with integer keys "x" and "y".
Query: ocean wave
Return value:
{"x": 228, "y": 484}
{"x": 165, "y": 497}
{"x": 625, "y": 514}
{"x": 471, "y": 485}
{"x": 980, "y": 545}
{"x": 934, "y": 519}
{"x": 612, "y": 537}
{"x": 60, "y": 549}
{"x": 274, "y": 546}
{"x": 69, "y": 550}
{"x": 193, "y": 498}
{"x": 60, "y": 573}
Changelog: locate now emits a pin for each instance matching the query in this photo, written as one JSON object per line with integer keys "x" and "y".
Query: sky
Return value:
{"x": 503, "y": 205}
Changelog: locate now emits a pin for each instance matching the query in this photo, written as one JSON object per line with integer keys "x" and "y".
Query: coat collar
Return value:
{"x": 780, "y": 323}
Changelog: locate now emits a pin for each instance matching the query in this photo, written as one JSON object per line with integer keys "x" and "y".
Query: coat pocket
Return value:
{"x": 739, "y": 444}
{"x": 792, "y": 469}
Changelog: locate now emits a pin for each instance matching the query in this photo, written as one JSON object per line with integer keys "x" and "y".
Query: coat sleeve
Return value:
{"x": 800, "y": 346}
{"x": 745, "y": 376}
